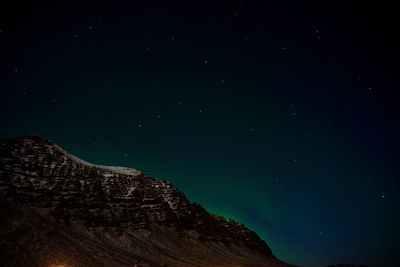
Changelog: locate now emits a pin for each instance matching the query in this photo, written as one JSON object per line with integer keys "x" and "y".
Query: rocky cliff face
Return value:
{"x": 63, "y": 209}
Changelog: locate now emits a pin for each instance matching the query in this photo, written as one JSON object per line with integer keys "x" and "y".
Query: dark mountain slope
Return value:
{"x": 58, "y": 209}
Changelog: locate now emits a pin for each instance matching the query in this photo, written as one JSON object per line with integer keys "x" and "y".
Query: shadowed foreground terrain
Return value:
{"x": 58, "y": 210}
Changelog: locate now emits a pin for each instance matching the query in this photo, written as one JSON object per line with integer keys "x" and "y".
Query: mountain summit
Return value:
{"x": 59, "y": 210}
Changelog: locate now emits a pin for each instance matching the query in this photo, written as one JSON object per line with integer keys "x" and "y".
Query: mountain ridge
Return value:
{"x": 146, "y": 219}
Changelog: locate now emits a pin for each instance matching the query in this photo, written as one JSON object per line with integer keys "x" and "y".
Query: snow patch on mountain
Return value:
{"x": 112, "y": 169}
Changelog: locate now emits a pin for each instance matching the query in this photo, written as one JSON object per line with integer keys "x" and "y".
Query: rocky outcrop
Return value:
{"x": 131, "y": 217}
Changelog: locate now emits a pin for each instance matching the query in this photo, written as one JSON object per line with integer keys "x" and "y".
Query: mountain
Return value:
{"x": 58, "y": 210}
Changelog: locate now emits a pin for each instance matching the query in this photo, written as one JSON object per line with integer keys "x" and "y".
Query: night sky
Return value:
{"x": 281, "y": 115}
